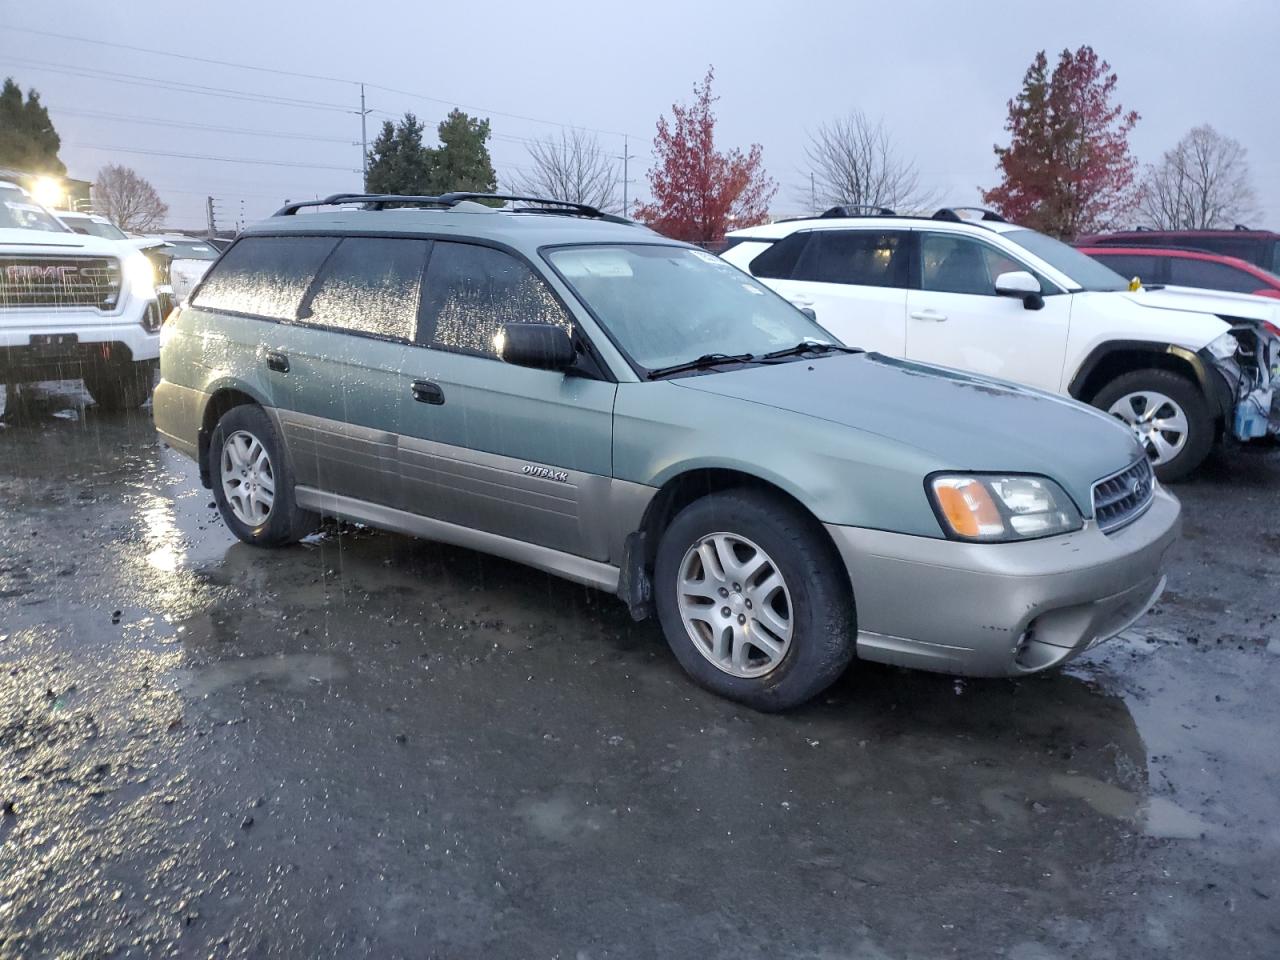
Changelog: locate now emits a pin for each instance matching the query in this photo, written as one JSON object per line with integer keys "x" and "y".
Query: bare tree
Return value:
{"x": 571, "y": 166}
{"x": 1201, "y": 184}
{"x": 128, "y": 200}
{"x": 853, "y": 162}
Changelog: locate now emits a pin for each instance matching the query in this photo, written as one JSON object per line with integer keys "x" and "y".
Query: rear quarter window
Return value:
{"x": 264, "y": 276}
{"x": 779, "y": 259}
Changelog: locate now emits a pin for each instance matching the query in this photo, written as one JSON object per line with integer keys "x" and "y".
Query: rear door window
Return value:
{"x": 471, "y": 291}
{"x": 264, "y": 276}
{"x": 1184, "y": 272}
{"x": 1130, "y": 265}
{"x": 869, "y": 258}
{"x": 371, "y": 286}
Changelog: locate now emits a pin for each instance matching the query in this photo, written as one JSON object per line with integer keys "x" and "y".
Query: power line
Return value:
{"x": 179, "y": 86}
{"x": 156, "y": 121}
{"x": 198, "y": 156}
{"x": 309, "y": 76}
{"x": 178, "y": 56}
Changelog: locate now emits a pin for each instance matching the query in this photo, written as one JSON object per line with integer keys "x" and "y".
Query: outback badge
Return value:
{"x": 545, "y": 473}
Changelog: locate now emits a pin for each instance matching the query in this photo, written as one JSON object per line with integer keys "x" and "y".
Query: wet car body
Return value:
{"x": 587, "y": 464}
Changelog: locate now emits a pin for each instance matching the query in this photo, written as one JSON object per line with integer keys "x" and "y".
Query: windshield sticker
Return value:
{"x": 594, "y": 263}
{"x": 707, "y": 257}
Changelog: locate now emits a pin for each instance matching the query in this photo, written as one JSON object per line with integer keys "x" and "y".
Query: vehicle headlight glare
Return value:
{"x": 995, "y": 509}
{"x": 140, "y": 274}
{"x": 1225, "y": 347}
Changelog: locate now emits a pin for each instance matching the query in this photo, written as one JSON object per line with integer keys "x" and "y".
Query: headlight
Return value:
{"x": 995, "y": 508}
{"x": 1225, "y": 347}
{"x": 140, "y": 275}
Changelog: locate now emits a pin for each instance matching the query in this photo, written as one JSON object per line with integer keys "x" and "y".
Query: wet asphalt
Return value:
{"x": 370, "y": 745}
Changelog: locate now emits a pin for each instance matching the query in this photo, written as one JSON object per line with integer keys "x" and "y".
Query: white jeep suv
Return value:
{"x": 1182, "y": 368}
{"x": 74, "y": 306}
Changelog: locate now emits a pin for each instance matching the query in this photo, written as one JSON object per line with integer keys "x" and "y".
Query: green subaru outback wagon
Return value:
{"x": 575, "y": 392}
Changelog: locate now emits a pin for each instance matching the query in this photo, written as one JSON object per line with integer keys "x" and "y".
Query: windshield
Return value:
{"x": 665, "y": 305}
{"x": 1080, "y": 267}
{"x": 190, "y": 250}
{"x": 19, "y": 211}
{"x": 97, "y": 228}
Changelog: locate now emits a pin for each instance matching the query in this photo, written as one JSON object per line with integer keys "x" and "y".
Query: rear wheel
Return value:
{"x": 251, "y": 481}
{"x": 1167, "y": 413}
{"x": 120, "y": 386}
{"x": 752, "y": 600}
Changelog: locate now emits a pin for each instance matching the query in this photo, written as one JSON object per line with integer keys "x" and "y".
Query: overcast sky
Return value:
{"x": 939, "y": 73}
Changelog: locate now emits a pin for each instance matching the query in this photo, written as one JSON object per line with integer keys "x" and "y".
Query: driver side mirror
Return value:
{"x": 542, "y": 346}
{"x": 1023, "y": 285}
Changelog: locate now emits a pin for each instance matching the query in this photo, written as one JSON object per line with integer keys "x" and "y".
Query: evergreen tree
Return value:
{"x": 28, "y": 141}
{"x": 462, "y": 161}
{"x": 398, "y": 162}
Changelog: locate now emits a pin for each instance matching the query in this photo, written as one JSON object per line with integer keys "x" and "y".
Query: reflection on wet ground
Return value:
{"x": 370, "y": 745}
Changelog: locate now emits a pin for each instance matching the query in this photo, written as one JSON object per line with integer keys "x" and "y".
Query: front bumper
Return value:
{"x": 991, "y": 610}
{"x": 97, "y": 339}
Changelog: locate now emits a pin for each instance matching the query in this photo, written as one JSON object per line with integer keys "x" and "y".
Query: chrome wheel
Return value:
{"x": 1157, "y": 421}
{"x": 248, "y": 481}
{"x": 735, "y": 605}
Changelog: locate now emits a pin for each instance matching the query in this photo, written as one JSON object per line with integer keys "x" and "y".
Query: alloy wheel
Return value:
{"x": 1160, "y": 425}
{"x": 248, "y": 481}
{"x": 735, "y": 605}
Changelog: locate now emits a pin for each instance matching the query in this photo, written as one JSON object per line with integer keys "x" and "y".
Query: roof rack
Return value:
{"x": 445, "y": 201}
{"x": 856, "y": 210}
{"x": 952, "y": 214}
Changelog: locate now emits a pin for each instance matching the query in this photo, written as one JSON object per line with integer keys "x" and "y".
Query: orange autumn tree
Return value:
{"x": 699, "y": 192}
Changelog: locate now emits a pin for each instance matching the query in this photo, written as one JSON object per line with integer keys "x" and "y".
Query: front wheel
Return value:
{"x": 1167, "y": 413}
{"x": 753, "y": 600}
{"x": 121, "y": 386}
{"x": 251, "y": 482}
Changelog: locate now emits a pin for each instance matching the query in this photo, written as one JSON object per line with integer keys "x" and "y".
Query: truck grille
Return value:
{"x": 1123, "y": 497}
{"x": 60, "y": 282}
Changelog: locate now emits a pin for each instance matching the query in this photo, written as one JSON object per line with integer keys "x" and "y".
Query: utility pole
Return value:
{"x": 208, "y": 212}
{"x": 364, "y": 143}
{"x": 626, "y": 159}
{"x": 813, "y": 196}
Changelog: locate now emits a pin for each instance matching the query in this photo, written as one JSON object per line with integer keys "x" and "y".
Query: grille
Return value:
{"x": 1123, "y": 497}
{"x": 59, "y": 282}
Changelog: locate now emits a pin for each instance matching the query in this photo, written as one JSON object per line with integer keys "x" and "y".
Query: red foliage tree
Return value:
{"x": 699, "y": 193}
{"x": 1067, "y": 170}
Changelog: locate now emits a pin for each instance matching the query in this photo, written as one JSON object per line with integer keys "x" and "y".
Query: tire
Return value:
{"x": 815, "y": 597}
{"x": 282, "y": 521}
{"x": 1130, "y": 398}
{"x": 120, "y": 386}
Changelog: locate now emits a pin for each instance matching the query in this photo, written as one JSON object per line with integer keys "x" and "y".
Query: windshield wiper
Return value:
{"x": 702, "y": 363}
{"x": 810, "y": 346}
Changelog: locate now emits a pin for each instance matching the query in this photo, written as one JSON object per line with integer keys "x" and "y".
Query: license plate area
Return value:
{"x": 54, "y": 344}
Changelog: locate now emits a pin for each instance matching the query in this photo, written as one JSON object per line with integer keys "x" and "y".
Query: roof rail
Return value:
{"x": 1242, "y": 226}
{"x": 444, "y": 201}
{"x": 856, "y": 210}
{"x": 952, "y": 214}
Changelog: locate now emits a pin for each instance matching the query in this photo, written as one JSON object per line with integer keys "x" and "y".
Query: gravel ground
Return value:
{"x": 369, "y": 745}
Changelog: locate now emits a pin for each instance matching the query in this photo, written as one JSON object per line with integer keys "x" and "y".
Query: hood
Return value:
{"x": 13, "y": 240}
{"x": 1244, "y": 306}
{"x": 964, "y": 422}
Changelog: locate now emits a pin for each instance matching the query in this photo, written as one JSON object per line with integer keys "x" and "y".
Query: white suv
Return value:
{"x": 74, "y": 306}
{"x": 1182, "y": 368}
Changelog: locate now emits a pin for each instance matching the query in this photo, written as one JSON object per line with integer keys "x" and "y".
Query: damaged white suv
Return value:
{"x": 74, "y": 306}
{"x": 1183, "y": 368}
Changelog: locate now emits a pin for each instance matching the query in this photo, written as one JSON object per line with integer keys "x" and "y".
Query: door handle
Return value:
{"x": 937, "y": 316}
{"x": 277, "y": 361}
{"x": 424, "y": 391}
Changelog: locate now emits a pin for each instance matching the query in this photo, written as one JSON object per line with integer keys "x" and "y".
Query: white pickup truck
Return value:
{"x": 74, "y": 306}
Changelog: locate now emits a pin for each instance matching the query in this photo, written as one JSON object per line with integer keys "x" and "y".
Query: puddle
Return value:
{"x": 1155, "y": 816}
{"x": 296, "y": 671}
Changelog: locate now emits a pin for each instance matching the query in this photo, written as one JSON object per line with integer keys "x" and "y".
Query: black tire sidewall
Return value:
{"x": 822, "y": 643}
{"x": 121, "y": 386}
{"x": 1200, "y": 420}
{"x": 285, "y": 523}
